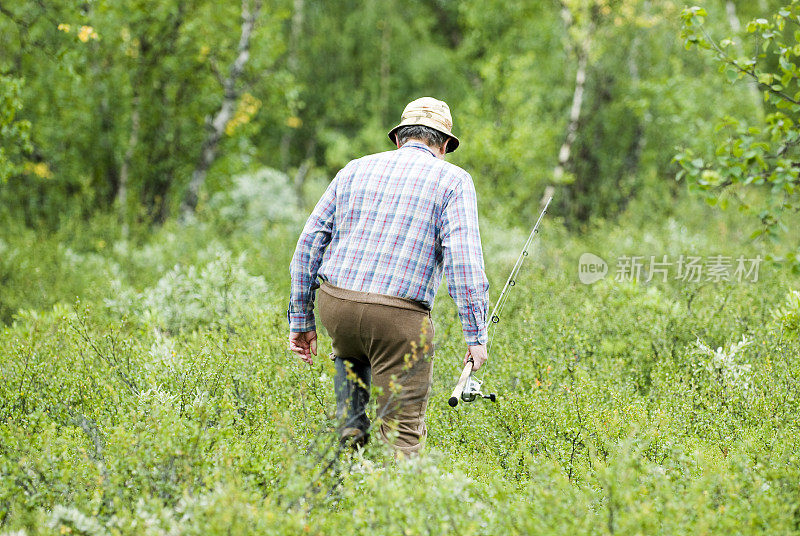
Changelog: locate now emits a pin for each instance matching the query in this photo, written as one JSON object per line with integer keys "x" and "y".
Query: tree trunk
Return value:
{"x": 302, "y": 172}
{"x": 385, "y": 69}
{"x": 217, "y": 125}
{"x": 293, "y": 64}
{"x": 124, "y": 173}
{"x": 736, "y": 27}
{"x": 581, "y": 40}
{"x": 582, "y": 52}
{"x": 574, "y": 117}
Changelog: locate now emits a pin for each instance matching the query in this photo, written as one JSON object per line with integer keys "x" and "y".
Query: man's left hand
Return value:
{"x": 478, "y": 355}
{"x": 304, "y": 344}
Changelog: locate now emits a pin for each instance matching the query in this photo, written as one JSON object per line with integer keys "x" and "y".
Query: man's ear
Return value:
{"x": 396, "y": 141}
{"x": 444, "y": 146}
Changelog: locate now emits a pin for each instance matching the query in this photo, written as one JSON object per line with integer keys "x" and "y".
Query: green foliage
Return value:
{"x": 145, "y": 385}
{"x": 188, "y": 297}
{"x": 788, "y": 315}
{"x": 643, "y": 95}
{"x": 132, "y": 84}
{"x": 254, "y": 201}
{"x": 665, "y": 408}
{"x": 14, "y": 134}
{"x": 144, "y": 78}
{"x": 752, "y": 155}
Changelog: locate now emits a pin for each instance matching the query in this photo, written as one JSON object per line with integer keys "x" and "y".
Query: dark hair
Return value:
{"x": 430, "y": 136}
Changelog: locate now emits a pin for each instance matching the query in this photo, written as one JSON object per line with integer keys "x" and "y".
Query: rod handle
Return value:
{"x": 462, "y": 381}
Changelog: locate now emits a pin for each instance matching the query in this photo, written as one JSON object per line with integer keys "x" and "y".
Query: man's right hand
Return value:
{"x": 478, "y": 355}
{"x": 303, "y": 345}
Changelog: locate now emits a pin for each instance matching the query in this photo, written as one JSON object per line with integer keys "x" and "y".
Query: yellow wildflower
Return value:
{"x": 86, "y": 33}
{"x": 132, "y": 51}
{"x": 40, "y": 169}
{"x": 247, "y": 108}
{"x": 203, "y": 53}
{"x": 63, "y": 27}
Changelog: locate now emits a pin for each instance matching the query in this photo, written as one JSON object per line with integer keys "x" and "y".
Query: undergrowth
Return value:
{"x": 164, "y": 401}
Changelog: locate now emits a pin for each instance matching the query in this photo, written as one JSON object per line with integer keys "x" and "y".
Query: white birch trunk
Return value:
{"x": 217, "y": 125}
{"x": 293, "y": 64}
{"x": 574, "y": 116}
{"x": 124, "y": 173}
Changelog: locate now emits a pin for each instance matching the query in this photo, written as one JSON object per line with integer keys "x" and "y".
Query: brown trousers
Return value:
{"x": 388, "y": 341}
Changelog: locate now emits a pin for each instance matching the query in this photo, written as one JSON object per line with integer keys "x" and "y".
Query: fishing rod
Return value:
{"x": 469, "y": 388}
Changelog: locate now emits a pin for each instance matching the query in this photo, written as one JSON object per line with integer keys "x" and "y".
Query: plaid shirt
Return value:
{"x": 390, "y": 223}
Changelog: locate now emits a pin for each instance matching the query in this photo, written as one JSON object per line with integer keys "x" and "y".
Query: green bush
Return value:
{"x": 255, "y": 201}
{"x": 164, "y": 400}
{"x": 187, "y": 297}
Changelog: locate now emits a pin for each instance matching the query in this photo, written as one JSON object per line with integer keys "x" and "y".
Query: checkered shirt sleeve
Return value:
{"x": 463, "y": 262}
{"x": 307, "y": 259}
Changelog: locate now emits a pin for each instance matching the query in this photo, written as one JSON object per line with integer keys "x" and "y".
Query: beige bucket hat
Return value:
{"x": 428, "y": 112}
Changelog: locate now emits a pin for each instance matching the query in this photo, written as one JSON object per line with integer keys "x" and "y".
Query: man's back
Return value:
{"x": 389, "y": 217}
{"x": 390, "y": 223}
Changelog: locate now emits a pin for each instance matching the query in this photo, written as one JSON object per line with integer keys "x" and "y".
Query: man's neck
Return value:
{"x": 437, "y": 151}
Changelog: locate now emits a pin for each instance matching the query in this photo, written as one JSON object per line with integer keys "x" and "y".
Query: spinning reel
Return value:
{"x": 468, "y": 388}
{"x": 472, "y": 390}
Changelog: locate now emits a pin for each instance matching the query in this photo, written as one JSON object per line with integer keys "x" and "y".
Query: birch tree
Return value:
{"x": 216, "y": 126}
{"x": 580, "y": 38}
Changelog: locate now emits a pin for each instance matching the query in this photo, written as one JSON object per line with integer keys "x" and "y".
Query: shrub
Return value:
{"x": 255, "y": 201}
{"x": 187, "y": 297}
{"x": 788, "y": 315}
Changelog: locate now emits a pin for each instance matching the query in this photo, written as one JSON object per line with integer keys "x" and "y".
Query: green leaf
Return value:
{"x": 765, "y": 78}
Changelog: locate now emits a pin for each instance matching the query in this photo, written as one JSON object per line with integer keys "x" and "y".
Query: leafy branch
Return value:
{"x": 757, "y": 155}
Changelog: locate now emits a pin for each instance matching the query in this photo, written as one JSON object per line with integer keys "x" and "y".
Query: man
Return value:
{"x": 379, "y": 239}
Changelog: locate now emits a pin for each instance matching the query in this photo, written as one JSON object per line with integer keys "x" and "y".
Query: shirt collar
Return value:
{"x": 419, "y": 146}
